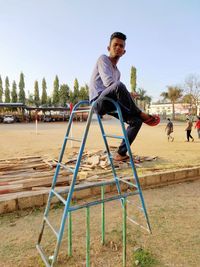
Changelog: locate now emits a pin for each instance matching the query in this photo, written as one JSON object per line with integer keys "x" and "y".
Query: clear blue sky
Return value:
{"x": 44, "y": 38}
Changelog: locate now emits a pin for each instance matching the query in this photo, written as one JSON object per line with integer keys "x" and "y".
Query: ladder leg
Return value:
{"x": 134, "y": 169}
{"x": 69, "y": 197}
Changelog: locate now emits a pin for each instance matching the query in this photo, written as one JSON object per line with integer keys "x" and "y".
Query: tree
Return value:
{"x": 22, "y": 96}
{"x": 30, "y": 100}
{"x": 83, "y": 93}
{"x": 56, "y": 91}
{"x": 76, "y": 91}
{"x": 1, "y": 90}
{"x": 14, "y": 92}
{"x": 71, "y": 96}
{"x": 49, "y": 101}
{"x": 173, "y": 94}
{"x": 7, "y": 90}
{"x": 64, "y": 94}
{"x": 44, "y": 92}
{"x": 133, "y": 79}
{"x": 192, "y": 89}
{"x": 36, "y": 94}
{"x": 144, "y": 99}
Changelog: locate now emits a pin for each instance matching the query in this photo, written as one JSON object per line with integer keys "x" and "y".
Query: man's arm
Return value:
{"x": 106, "y": 71}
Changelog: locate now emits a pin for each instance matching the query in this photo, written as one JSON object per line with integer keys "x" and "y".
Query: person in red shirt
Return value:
{"x": 197, "y": 126}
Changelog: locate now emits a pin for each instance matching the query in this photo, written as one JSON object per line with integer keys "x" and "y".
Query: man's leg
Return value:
{"x": 132, "y": 132}
{"x": 121, "y": 95}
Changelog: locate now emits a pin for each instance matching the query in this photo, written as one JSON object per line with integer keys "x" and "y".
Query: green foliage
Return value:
{"x": 84, "y": 93}
{"x": 14, "y": 92}
{"x": 133, "y": 79}
{"x": 36, "y": 94}
{"x": 1, "y": 90}
{"x": 22, "y": 96}
{"x": 144, "y": 100}
{"x": 64, "y": 94}
{"x": 173, "y": 94}
{"x": 49, "y": 101}
{"x": 44, "y": 92}
{"x": 30, "y": 100}
{"x": 76, "y": 91}
{"x": 56, "y": 92}
{"x": 143, "y": 258}
{"x": 7, "y": 90}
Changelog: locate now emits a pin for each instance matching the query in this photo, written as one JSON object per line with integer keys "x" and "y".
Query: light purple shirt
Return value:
{"x": 104, "y": 74}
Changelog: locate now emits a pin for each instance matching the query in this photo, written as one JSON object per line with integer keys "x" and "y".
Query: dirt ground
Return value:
{"x": 21, "y": 140}
{"x": 174, "y": 242}
{"x": 173, "y": 210}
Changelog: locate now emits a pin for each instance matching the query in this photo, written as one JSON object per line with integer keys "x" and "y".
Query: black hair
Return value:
{"x": 118, "y": 35}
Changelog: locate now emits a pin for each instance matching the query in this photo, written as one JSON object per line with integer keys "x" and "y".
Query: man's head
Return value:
{"x": 117, "y": 45}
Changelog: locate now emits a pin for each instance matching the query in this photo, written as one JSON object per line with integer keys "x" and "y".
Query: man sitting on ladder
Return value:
{"x": 105, "y": 82}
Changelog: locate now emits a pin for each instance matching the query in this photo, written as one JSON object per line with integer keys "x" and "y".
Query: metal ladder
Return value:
{"x": 68, "y": 208}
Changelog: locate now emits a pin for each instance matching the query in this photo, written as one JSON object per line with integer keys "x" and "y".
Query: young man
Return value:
{"x": 169, "y": 129}
{"x": 105, "y": 82}
{"x": 189, "y": 130}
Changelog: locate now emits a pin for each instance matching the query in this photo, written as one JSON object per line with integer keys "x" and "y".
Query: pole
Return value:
{"x": 87, "y": 237}
{"x": 102, "y": 216}
{"x": 69, "y": 234}
{"x": 124, "y": 231}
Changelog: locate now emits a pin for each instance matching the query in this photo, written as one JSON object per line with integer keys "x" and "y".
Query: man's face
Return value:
{"x": 117, "y": 48}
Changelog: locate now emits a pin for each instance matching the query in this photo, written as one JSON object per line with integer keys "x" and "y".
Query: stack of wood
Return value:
{"x": 35, "y": 173}
{"x": 22, "y": 174}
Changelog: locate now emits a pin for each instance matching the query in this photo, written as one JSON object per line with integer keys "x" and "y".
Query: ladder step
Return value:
{"x": 58, "y": 196}
{"x": 52, "y": 228}
{"x": 65, "y": 167}
{"x": 133, "y": 203}
{"x": 43, "y": 256}
{"x": 126, "y": 182}
{"x": 73, "y": 139}
{"x": 81, "y": 110}
{"x": 133, "y": 221}
{"x": 114, "y": 136}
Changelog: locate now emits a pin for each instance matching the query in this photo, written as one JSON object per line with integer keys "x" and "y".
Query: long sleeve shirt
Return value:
{"x": 104, "y": 74}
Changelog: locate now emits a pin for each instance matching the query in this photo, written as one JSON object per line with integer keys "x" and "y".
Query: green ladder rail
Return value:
{"x": 69, "y": 208}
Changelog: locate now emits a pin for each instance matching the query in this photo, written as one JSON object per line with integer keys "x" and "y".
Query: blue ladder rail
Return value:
{"x": 67, "y": 203}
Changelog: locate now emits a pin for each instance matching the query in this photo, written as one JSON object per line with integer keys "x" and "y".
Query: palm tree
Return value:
{"x": 143, "y": 98}
{"x": 173, "y": 94}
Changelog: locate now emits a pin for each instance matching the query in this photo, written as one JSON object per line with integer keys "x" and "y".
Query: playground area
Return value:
{"x": 173, "y": 210}
{"x": 18, "y": 140}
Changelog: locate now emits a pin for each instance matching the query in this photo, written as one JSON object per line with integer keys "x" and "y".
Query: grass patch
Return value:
{"x": 143, "y": 258}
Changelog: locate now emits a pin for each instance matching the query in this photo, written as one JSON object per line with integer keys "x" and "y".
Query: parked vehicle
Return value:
{"x": 47, "y": 119}
{"x": 8, "y": 119}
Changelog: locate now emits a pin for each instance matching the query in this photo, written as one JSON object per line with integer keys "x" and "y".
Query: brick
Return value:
{"x": 31, "y": 200}
{"x": 95, "y": 191}
{"x": 152, "y": 179}
{"x": 192, "y": 173}
{"x": 178, "y": 175}
{"x": 82, "y": 193}
{"x": 167, "y": 177}
{"x": 8, "y": 206}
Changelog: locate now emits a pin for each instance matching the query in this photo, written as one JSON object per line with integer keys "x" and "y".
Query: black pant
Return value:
{"x": 189, "y": 135}
{"x": 130, "y": 112}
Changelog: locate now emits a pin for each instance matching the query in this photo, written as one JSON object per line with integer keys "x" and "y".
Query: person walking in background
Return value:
{"x": 169, "y": 130}
{"x": 189, "y": 130}
{"x": 197, "y": 126}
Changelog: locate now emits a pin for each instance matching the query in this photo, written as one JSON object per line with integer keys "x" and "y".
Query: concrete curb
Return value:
{"x": 29, "y": 199}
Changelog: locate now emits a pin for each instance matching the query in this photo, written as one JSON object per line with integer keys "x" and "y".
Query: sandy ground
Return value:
{"x": 18, "y": 140}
